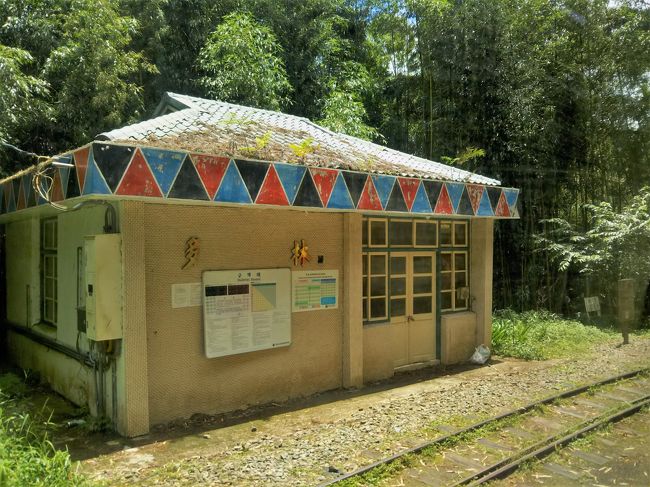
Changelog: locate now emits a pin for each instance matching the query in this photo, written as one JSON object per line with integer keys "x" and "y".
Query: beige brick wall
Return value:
{"x": 458, "y": 336}
{"x": 132, "y": 376}
{"x": 182, "y": 380}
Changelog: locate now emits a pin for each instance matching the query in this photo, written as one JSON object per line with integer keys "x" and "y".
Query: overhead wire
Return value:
{"x": 42, "y": 182}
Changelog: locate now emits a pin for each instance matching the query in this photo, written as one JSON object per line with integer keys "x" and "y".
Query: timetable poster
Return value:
{"x": 314, "y": 290}
{"x": 246, "y": 310}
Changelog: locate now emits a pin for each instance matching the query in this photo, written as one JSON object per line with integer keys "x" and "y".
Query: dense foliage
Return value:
{"x": 242, "y": 64}
{"x": 27, "y": 457}
{"x": 539, "y": 335}
{"x": 615, "y": 246}
{"x": 554, "y": 96}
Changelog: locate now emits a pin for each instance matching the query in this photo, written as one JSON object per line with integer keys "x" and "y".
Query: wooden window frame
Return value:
{"x": 409, "y": 246}
{"x": 368, "y": 299}
{"x": 49, "y": 253}
{"x": 370, "y": 243}
{"x": 426, "y": 222}
{"x": 452, "y": 273}
{"x": 465, "y": 224}
{"x": 451, "y": 242}
{"x": 404, "y": 276}
{"x": 453, "y": 247}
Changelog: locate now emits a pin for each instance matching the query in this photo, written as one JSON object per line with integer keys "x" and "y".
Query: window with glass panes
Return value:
{"x": 454, "y": 289}
{"x": 384, "y": 277}
{"x": 49, "y": 296}
{"x": 375, "y": 286}
{"x": 454, "y": 266}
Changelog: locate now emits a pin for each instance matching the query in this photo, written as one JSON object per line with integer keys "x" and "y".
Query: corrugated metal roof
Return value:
{"x": 238, "y": 131}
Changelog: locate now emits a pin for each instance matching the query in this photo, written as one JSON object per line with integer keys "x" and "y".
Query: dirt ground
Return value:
{"x": 307, "y": 441}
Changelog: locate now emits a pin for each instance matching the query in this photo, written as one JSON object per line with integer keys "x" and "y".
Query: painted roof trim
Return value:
{"x": 109, "y": 169}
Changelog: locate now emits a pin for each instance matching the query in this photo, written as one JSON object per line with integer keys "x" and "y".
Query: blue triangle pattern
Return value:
{"x": 340, "y": 197}
{"x": 64, "y": 173}
{"x": 421, "y": 202}
{"x": 164, "y": 165}
{"x": 95, "y": 183}
{"x": 39, "y": 199}
{"x": 290, "y": 176}
{"x": 27, "y": 187}
{"x": 232, "y": 188}
{"x": 12, "y": 199}
{"x": 455, "y": 191}
{"x": 383, "y": 185}
{"x": 484, "y": 207}
{"x": 511, "y": 196}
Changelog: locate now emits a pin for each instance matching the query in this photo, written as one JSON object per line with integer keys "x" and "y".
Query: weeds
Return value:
{"x": 12, "y": 386}
{"x": 27, "y": 456}
{"x": 540, "y": 335}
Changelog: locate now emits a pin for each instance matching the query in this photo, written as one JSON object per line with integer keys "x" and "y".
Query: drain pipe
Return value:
{"x": 99, "y": 377}
{"x": 81, "y": 357}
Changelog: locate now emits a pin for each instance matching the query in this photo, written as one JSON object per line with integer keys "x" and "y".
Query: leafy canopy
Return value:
{"x": 615, "y": 246}
{"x": 18, "y": 90}
{"x": 343, "y": 112}
{"x": 242, "y": 64}
{"x": 92, "y": 72}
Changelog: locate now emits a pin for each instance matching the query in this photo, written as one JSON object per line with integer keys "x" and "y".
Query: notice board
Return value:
{"x": 312, "y": 290}
{"x": 246, "y": 310}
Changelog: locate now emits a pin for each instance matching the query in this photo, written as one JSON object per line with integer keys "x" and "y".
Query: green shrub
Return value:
{"x": 540, "y": 335}
{"x": 27, "y": 457}
{"x": 12, "y": 386}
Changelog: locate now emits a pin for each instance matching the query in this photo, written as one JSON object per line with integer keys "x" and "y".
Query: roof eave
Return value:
{"x": 168, "y": 101}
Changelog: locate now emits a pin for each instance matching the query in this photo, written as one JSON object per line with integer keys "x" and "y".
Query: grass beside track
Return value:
{"x": 27, "y": 457}
{"x": 382, "y": 472}
{"x": 540, "y": 335}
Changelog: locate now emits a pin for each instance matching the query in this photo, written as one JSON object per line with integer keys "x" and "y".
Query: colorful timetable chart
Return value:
{"x": 313, "y": 290}
{"x": 246, "y": 310}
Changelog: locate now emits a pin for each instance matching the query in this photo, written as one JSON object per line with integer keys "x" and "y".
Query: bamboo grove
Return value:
{"x": 549, "y": 96}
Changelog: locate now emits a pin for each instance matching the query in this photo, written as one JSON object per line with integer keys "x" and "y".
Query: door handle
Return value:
{"x": 410, "y": 318}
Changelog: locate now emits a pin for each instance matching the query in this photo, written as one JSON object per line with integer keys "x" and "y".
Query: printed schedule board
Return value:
{"x": 312, "y": 290}
{"x": 246, "y": 310}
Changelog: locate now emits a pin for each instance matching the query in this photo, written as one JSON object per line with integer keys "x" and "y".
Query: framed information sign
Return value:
{"x": 246, "y": 310}
{"x": 312, "y": 290}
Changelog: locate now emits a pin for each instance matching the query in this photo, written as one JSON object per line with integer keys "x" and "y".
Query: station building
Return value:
{"x": 217, "y": 256}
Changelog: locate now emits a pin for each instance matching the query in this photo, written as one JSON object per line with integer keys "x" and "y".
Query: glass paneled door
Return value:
{"x": 413, "y": 306}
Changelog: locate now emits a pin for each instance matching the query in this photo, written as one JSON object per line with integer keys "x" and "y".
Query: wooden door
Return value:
{"x": 413, "y": 306}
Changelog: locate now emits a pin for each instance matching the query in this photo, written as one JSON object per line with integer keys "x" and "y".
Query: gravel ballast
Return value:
{"x": 309, "y": 445}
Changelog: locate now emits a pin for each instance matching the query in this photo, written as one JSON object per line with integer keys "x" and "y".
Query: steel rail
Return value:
{"x": 473, "y": 427}
{"x": 542, "y": 449}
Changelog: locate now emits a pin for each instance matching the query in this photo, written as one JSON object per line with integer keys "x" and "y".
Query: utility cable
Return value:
{"x": 42, "y": 182}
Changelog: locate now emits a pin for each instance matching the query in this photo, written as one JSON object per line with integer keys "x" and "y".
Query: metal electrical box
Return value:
{"x": 103, "y": 286}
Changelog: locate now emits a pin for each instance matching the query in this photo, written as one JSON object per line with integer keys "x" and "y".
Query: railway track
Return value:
{"x": 496, "y": 447}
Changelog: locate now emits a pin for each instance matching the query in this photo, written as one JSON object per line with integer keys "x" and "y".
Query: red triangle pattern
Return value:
{"x": 409, "y": 189}
{"x": 475, "y": 192}
{"x": 324, "y": 180}
{"x": 138, "y": 179}
{"x": 272, "y": 192}
{"x": 369, "y": 198}
{"x": 502, "y": 207}
{"x": 81, "y": 162}
{"x": 21, "y": 198}
{"x": 56, "y": 191}
{"x": 211, "y": 170}
{"x": 444, "y": 206}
